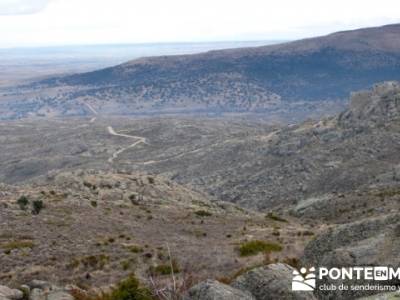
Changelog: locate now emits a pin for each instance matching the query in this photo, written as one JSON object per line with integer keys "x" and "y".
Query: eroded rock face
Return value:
{"x": 368, "y": 242}
{"x": 270, "y": 282}
{"x": 214, "y": 290}
{"x": 380, "y": 104}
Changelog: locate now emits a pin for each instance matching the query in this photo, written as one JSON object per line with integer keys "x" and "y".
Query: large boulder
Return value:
{"x": 271, "y": 282}
{"x": 371, "y": 241}
{"x": 10, "y": 294}
{"x": 214, "y": 290}
{"x": 54, "y": 294}
{"x": 368, "y": 242}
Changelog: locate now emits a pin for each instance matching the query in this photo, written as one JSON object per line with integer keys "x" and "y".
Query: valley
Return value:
{"x": 121, "y": 194}
{"x": 200, "y": 176}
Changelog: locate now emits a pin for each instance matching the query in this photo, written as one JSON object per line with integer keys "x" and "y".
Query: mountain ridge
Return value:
{"x": 264, "y": 79}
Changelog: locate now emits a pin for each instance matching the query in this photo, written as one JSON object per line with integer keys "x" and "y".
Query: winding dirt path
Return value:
{"x": 139, "y": 140}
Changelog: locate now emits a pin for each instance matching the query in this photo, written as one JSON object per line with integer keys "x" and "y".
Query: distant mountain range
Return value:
{"x": 259, "y": 79}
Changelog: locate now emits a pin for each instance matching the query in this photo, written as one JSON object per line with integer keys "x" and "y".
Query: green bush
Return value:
{"x": 135, "y": 249}
{"x": 203, "y": 213}
{"x": 165, "y": 269}
{"x": 126, "y": 264}
{"x": 95, "y": 261}
{"x": 256, "y": 247}
{"x": 22, "y": 202}
{"x": 130, "y": 289}
{"x": 274, "y": 217}
{"x": 37, "y": 206}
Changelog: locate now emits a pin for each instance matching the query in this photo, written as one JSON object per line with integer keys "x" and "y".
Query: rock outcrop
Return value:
{"x": 379, "y": 105}
{"x": 214, "y": 290}
{"x": 270, "y": 282}
{"x": 10, "y": 294}
{"x": 36, "y": 290}
{"x": 265, "y": 283}
{"x": 372, "y": 241}
{"x": 368, "y": 242}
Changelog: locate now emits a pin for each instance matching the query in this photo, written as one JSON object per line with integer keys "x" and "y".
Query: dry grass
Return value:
{"x": 9, "y": 246}
{"x": 128, "y": 289}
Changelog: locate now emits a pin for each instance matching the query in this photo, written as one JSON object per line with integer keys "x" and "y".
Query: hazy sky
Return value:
{"x": 61, "y": 22}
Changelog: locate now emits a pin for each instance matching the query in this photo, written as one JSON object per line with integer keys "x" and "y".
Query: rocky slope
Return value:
{"x": 271, "y": 167}
{"x": 95, "y": 228}
{"x": 264, "y": 283}
{"x": 360, "y": 225}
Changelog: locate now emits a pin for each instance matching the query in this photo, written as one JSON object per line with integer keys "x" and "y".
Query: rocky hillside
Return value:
{"x": 360, "y": 225}
{"x": 270, "y": 167}
{"x": 289, "y": 165}
{"x": 262, "y": 79}
{"x": 95, "y": 228}
{"x": 255, "y": 78}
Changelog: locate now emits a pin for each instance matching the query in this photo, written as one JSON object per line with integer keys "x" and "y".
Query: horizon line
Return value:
{"x": 142, "y": 43}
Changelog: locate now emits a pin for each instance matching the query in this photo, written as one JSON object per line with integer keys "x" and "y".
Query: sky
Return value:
{"x": 31, "y": 23}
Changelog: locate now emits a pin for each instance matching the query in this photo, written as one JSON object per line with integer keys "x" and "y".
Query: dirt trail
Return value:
{"x": 139, "y": 140}
{"x": 91, "y": 108}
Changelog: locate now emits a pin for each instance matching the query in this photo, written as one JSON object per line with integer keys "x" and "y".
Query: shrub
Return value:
{"x": 255, "y": 247}
{"x": 73, "y": 264}
{"x": 293, "y": 261}
{"x": 37, "y": 206}
{"x": 165, "y": 269}
{"x": 135, "y": 249}
{"x": 126, "y": 264}
{"x": 22, "y": 202}
{"x": 130, "y": 289}
{"x": 89, "y": 185}
{"x": 95, "y": 261}
{"x": 93, "y": 203}
{"x": 307, "y": 233}
{"x": 274, "y": 217}
{"x": 203, "y": 213}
